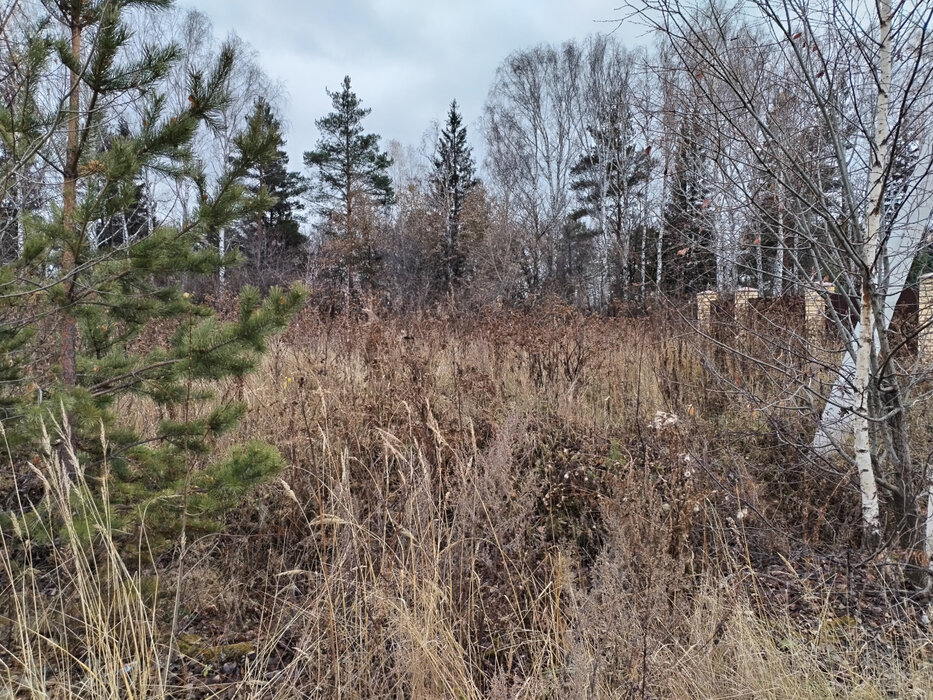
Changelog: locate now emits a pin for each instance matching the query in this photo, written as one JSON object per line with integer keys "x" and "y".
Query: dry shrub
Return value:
{"x": 638, "y": 597}
{"x": 734, "y": 652}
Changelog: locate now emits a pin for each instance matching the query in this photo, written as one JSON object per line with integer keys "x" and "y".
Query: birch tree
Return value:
{"x": 533, "y": 138}
{"x": 862, "y": 73}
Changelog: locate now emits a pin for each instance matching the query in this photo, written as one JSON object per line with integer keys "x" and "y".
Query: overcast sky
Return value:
{"x": 407, "y": 59}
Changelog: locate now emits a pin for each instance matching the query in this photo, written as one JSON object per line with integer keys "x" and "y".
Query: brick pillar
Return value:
{"x": 743, "y": 313}
{"x": 704, "y": 312}
{"x": 925, "y": 298}
{"x": 743, "y": 306}
{"x": 815, "y": 310}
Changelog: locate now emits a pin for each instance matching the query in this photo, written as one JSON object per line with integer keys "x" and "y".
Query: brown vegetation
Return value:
{"x": 499, "y": 506}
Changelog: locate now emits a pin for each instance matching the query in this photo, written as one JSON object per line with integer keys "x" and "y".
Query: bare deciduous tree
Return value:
{"x": 860, "y": 78}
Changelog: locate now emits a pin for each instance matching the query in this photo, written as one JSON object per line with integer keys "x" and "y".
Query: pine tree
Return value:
{"x": 22, "y": 129}
{"x": 277, "y": 229}
{"x": 689, "y": 259}
{"x": 452, "y": 179}
{"x": 128, "y": 224}
{"x": 350, "y": 177}
{"x": 91, "y": 303}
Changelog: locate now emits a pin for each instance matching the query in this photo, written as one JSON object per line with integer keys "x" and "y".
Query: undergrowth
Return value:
{"x": 494, "y": 507}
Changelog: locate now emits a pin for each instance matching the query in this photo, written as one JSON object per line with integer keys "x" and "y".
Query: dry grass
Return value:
{"x": 76, "y": 621}
{"x": 474, "y": 508}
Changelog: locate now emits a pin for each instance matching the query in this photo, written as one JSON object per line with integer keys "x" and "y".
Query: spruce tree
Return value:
{"x": 350, "y": 176}
{"x": 688, "y": 256}
{"x": 91, "y": 303}
{"x": 453, "y": 177}
{"x": 277, "y": 229}
{"x": 607, "y": 180}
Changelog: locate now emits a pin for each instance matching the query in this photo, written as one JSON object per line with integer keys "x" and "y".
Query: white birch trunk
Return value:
{"x": 778, "y": 284}
{"x": 603, "y": 226}
{"x": 661, "y": 222}
{"x": 903, "y": 244}
{"x": 868, "y": 488}
{"x": 93, "y": 235}
{"x": 150, "y": 207}
{"x": 865, "y": 338}
{"x": 759, "y": 268}
{"x": 643, "y": 257}
{"x": 643, "y": 262}
{"x": 928, "y": 529}
{"x": 222, "y": 248}
{"x": 658, "y": 270}
{"x": 20, "y": 229}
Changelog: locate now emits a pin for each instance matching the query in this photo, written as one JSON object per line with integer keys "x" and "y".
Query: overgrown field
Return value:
{"x": 499, "y": 506}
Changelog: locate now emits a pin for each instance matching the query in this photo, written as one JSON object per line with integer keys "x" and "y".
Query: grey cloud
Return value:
{"x": 407, "y": 59}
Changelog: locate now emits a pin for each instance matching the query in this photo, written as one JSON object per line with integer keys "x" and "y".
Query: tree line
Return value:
{"x": 611, "y": 175}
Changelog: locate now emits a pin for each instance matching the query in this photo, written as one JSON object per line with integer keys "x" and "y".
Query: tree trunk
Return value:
{"x": 659, "y": 254}
{"x": 780, "y": 247}
{"x": 868, "y": 488}
{"x": 20, "y": 206}
{"x": 759, "y": 268}
{"x": 150, "y": 208}
{"x": 903, "y": 243}
{"x": 866, "y": 341}
{"x": 626, "y": 252}
{"x": 222, "y": 249}
{"x": 69, "y": 329}
{"x": 928, "y": 521}
{"x": 261, "y": 236}
{"x": 643, "y": 262}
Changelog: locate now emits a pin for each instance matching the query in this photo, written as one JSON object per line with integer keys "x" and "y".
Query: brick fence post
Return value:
{"x": 743, "y": 303}
{"x": 925, "y": 302}
{"x": 815, "y": 310}
{"x": 743, "y": 313}
{"x": 704, "y": 312}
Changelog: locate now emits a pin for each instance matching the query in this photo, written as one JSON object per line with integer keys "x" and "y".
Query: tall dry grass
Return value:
{"x": 75, "y": 621}
{"x": 482, "y": 508}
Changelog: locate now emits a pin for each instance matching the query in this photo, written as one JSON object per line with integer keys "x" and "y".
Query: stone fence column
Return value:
{"x": 743, "y": 313}
{"x": 925, "y": 302}
{"x": 815, "y": 310}
{"x": 705, "y": 312}
{"x": 743, "y": 303}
